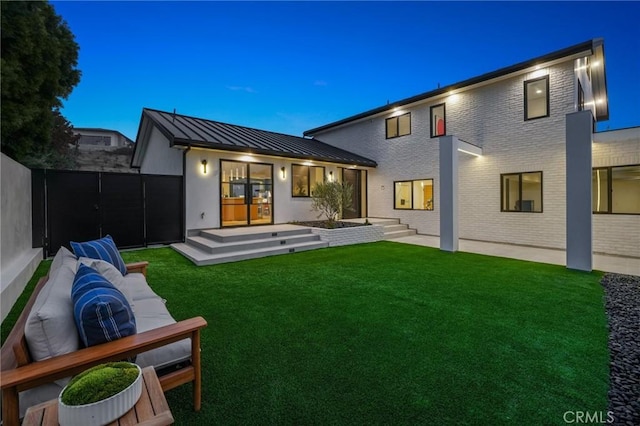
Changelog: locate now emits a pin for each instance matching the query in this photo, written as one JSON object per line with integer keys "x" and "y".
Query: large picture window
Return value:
{"x": 413, "y": 195}
{"x": 616, "y": 189}
{"x": 398, "y": 126}
{"x": 304, "y": 179}
{"x": 536, "y": 98}
{"x": 521, "y": 192}
{"x": 438, "y": 121}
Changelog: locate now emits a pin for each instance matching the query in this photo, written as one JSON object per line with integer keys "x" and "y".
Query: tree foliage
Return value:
{"x": 331, "y": 199}
{"x": 39, "y": 59}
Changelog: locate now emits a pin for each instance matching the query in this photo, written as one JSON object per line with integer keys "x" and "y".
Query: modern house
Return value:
{"x": 509, "y": 156}
{"x": 98, "y": 138}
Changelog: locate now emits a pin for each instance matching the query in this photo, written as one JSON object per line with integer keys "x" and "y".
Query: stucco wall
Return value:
{"x": 491, "y": 117}
{"x": 18, "y": 260}
{"x": 616, "y": 233}
{"x": 203, "y": 190}
{"x": 160, "y": 158}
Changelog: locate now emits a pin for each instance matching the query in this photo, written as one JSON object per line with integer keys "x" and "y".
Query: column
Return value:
{"x": 448, "y": 193}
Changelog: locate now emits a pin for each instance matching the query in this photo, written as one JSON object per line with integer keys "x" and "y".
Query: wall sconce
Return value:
{"x": 331, "y": 176}
{"x": 283, "y": 171}
{"x": 204, "y": 166}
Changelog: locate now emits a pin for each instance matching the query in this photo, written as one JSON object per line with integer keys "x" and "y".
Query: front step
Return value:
{"x": 201, "y": 258}
{"x": 215, "y": 246}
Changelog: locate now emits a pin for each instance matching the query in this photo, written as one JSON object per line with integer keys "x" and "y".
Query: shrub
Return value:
{"x": 331, "y": 199}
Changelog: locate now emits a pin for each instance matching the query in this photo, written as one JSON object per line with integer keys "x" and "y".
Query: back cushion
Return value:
{"x": 104, "y": 249}
{"x": 101, "y": 311}
{"x": 50, "y": 329}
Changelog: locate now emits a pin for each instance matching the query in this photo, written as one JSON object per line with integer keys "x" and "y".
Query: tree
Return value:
{"x": 39, "y": 59}
{"x": 330, "y": 199}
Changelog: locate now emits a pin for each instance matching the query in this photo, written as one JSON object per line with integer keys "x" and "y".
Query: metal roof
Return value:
{"x": 593, "y": 47}
{"x": 182, "y": 130}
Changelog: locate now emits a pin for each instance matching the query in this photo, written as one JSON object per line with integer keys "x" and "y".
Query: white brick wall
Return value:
{"x": 616, "y": 233}
{"x": 348, "y": 236}
{"x": 492, "y": 117}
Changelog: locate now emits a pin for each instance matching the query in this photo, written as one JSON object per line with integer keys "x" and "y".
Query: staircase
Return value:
{"x": 394, "y": 229}
{"x": 213, "y": 246}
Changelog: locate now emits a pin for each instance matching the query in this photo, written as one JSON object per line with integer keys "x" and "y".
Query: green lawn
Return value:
{"x": 388, "y": 333}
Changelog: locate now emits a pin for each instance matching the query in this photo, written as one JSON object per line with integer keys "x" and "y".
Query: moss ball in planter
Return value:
{"x": 99, "y": 382}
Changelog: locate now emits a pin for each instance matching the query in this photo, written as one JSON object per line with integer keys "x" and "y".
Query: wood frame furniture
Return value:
{"x": 18, "y": 372}
{"x": 151, "y": 408}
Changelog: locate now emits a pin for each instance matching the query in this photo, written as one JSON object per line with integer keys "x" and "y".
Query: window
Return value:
{"x": 438, "y": 123}
{"x": 616, "y": 189}
{"x": 521, "y": 192}
{"x": 580, "y": 97}
{"x": 413, "y": 195}
{"x": 398, "y": 126}
{"x": 536, "y": 98}
{"x": 304, "y": 179}
{"x": 95, "y": 140}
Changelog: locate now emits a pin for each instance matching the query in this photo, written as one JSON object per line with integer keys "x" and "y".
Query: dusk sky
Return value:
{"x": 288, "y": 67}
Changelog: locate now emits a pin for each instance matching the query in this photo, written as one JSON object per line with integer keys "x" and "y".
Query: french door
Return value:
{"x": 246, "y": 193}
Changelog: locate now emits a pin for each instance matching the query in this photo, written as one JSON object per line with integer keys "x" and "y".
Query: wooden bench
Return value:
{"x": 18, "y": 372}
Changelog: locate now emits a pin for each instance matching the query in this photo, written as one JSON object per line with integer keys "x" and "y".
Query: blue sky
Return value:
{"x": 292, "y": 66}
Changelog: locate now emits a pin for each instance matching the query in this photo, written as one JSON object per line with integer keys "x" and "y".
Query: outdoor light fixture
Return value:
{"x": 330, "y": 176}
{"x": 204, "y": 166}
{"x": 284, "y": 173}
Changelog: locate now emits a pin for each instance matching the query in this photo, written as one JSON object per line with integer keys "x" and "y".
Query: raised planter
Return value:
{"x": 104, "y": 411}
{"x": 353, "y": 235}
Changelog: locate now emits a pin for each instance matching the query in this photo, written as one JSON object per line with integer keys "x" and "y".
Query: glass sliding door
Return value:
{"x": 246, "y": 193}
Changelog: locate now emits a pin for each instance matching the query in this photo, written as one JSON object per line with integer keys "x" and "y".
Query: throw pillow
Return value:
{"x": 112, "y": 275}
{"x": 104, "y": 249}
{"x": 101, "y": 311}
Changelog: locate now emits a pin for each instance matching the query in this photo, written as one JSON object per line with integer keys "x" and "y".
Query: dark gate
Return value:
{"x": 136, "y": 210}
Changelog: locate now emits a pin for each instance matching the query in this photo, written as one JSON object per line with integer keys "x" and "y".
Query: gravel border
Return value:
{"x": 622, "y": 305}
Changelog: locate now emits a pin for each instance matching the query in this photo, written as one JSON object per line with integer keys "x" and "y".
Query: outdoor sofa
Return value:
{"x": 44, "y": 348}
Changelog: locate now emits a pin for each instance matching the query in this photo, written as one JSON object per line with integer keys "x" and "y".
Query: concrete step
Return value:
{"x": 397, "y": 234}
{"x": 212, "y": 246}
{"x": 202, "y": 258}
{"x": 395, "y": 227}
{"x": 230, "y": 235}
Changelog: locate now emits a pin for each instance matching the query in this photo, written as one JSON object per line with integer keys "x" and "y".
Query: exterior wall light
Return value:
{"x": 283, "y": 171}
{"x": 331, "y": 176}
{"x": 204, "y": 166}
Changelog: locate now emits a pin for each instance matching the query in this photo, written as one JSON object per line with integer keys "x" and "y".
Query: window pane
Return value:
{"x": 625, "y": 189}
{"x": 392, "y": 127}
{"x": 300, "y": 181}
{"x": 438, "y": 125}
{"x": 536, "y": 96}
{"x": 510, "y": 192}
{"x": 600, "y": 190}
{"x": 404, "y": 124}
{"x": 317, "y": 176}
{"x": 423, "y": 194}
{"x": 403, "y": 195}
{"x": 531, "y": 192}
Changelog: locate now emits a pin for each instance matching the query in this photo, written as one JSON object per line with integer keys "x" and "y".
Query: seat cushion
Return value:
{"x": 104, "y": 248}
{"x": 102, "y": 313}
{"x": 152, "y": 313}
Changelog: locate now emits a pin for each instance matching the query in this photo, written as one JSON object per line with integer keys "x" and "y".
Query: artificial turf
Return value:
{"x": 387, "y": 333}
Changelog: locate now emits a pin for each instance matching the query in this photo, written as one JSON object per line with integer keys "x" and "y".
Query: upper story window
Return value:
{"x": 536, "y": 98}
{"x": 413, "y": 195}
{"x": 616, "y": 189}
{"x": 521, "y": 192}
{"x": 95, "y": 140}
{"x": 398, "y": 126}
{"x": 304, "y": 179}
{"x": 438, "y": 121}
{"x": 580, "y": 97}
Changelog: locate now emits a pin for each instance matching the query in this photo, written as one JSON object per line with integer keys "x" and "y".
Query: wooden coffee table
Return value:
{"x": 151, "y": 408}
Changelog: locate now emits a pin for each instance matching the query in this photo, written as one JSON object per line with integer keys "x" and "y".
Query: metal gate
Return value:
{"x": 136, "y": 210}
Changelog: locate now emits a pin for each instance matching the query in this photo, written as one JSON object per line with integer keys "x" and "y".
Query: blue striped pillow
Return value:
{"x": 101, "y": 311}
{"x": 103, "y": 249}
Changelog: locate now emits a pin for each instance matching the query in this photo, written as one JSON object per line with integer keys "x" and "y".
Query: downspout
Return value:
{"x": 184, "y": 193}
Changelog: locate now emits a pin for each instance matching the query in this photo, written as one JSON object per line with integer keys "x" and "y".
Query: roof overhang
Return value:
{"x": 599, "y": 81}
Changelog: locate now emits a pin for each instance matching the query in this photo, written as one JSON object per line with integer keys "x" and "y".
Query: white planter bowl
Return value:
{"x": 101, "y": 412}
